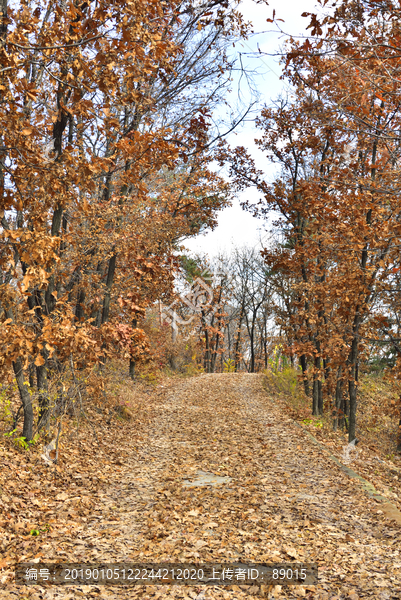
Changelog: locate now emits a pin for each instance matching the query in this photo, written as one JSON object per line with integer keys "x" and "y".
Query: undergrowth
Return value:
{"x": 377, "y": 419}
{"x": 286, "y": 384}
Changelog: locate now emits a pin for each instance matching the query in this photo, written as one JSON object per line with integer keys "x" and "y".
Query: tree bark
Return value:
{"x": 338, "y": 419}
{"x": 25, "y": 399}
{"x": 31, "y": 375}
{"x": 304, "y": 367}
{"x": 173, "y": 357}
{"x": 132, "y": 360}
{"x": 238, "y": 340}
{"x": 207, "y": 343}
{"x": 109, "y": 284}
{"x": 352, "y": 390}
{"x": 132, "y": 368}
{"x": 252, "y": 345}
{"x": 79, "y": 308}
{"x": 320, "y": 396}
{"x": 3, "y": 25}
{"x": 317, "y": 396}
{"x": 43, "y": 390}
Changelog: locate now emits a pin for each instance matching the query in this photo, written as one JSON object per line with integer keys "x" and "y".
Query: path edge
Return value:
{"x": 389, "y": 509}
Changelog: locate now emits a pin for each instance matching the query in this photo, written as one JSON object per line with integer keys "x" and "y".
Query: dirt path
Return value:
{"x": 286, "y": 501}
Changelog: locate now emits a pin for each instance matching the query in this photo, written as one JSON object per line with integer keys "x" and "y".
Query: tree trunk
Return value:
{"x": 265, "y": 352}
{"x": 238, "y": 340}
{"x": 173, "y": 357}
{"x": 352, "y": 390}
{"x": 31, "y": 376}
{"x": 315, "y": 396}
{"x": 317, "y": 399}
{"x": 252, "y": 361}
{"x": 352, "y": 411}
{"x": 216, "y": 348}
{"x": 25, "y": 399}
{"x": 344, "y": 411}
{"x": 304, "y": 366}
{"x": 318, "y": 365}
{"x": 320, "y": 396}
{"x": 206, "y": 360}
{"x": 219, "y": 325}
{"x": 132, "y": 360}
{"x": 79, "y": 308}
{"x": 3, "y": 24}
{"x": 251, "y": 333}
{"x": 106, "y": 301}
{"x": 338, "y": 419}
{"x": 109, "y": 284}
{"x": 207, "y": 352}
{"x": 236, "y": 353}
{"x": 132, "y": 368}
{"x": 43, "y": 389}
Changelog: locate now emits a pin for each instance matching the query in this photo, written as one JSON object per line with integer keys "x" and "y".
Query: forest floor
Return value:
{"x": 125, "y": 498}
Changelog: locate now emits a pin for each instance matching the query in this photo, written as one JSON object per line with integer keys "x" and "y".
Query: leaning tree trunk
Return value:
{"x": 25, "y": 399}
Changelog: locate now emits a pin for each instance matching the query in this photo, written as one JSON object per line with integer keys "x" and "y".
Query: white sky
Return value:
{"x": 237, "y": 227}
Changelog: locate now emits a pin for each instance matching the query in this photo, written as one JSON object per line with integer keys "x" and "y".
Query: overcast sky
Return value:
{"x": 235, "y": 226}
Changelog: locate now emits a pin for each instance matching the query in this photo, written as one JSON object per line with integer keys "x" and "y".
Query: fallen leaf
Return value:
{"x": 62, "y": 496}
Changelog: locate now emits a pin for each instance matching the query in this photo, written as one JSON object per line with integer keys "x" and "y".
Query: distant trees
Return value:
{"x": 252, "y": 291}
{"x": 226, "y": 303}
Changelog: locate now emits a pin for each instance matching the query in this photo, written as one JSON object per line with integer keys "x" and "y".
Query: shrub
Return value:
{"x": 286, "y": 383}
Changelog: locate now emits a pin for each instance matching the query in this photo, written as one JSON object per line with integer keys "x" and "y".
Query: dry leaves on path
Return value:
{"x": 281, "y": 499}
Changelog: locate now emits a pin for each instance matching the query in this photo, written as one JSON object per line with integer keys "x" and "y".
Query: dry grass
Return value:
{"x": 377, "y": 418}
{"x": 377, "y": 425}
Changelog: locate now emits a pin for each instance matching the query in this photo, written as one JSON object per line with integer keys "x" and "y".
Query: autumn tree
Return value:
{"x": 105, "y": 135}
{"x": 340, "y": 203}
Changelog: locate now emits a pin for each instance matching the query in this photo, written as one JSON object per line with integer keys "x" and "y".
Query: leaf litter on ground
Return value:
{"x": 126, "y": 500}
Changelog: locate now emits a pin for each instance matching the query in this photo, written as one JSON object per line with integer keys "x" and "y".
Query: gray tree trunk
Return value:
{"x": 25, "y": 399}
